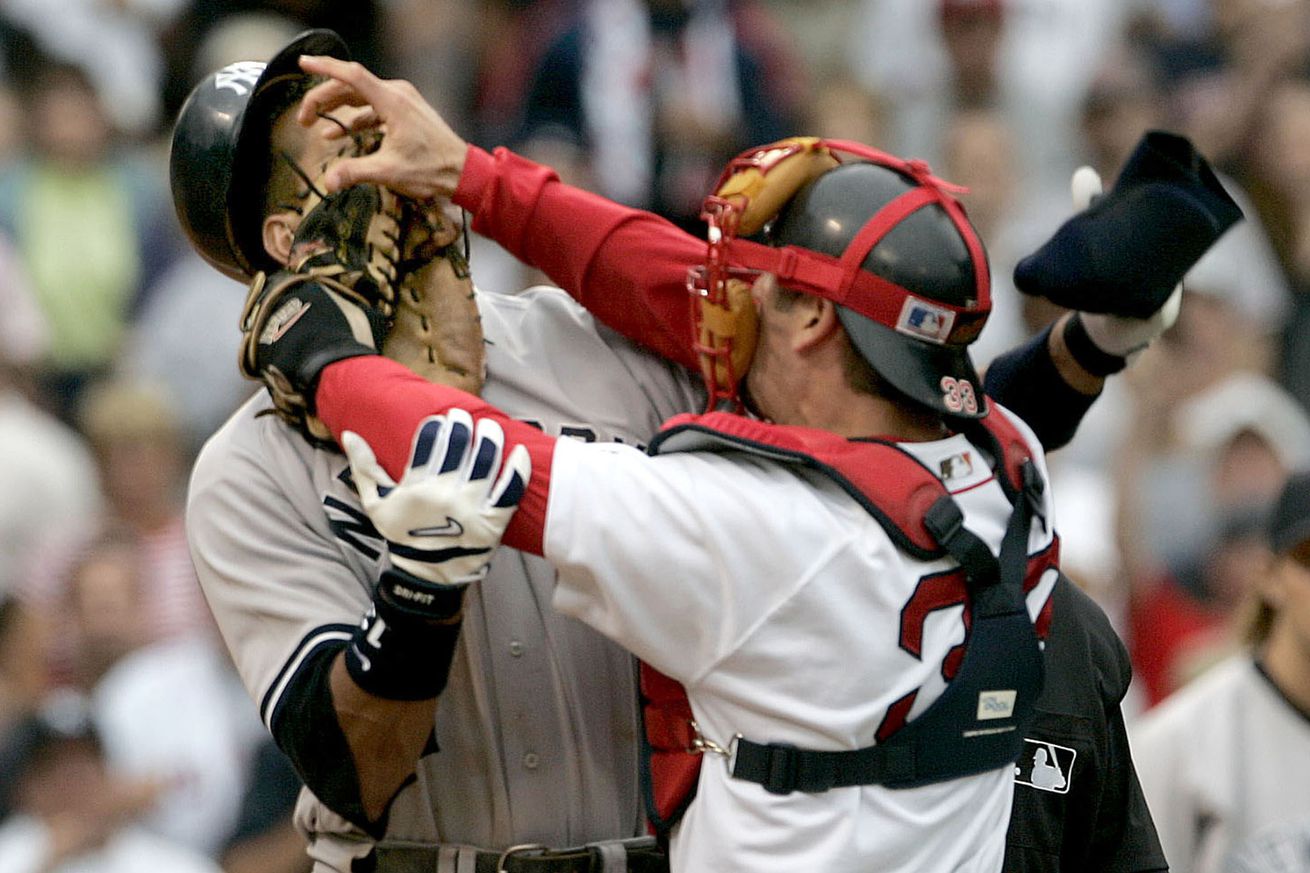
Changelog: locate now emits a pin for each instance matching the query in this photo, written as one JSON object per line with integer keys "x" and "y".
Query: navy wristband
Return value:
{"x": 1087, "y": 353}
{"x": 1025, "y": 381}
{"x": 397, "y": 655}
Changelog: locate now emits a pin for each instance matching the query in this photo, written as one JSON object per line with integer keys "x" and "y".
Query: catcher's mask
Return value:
{"x": 220, "y": 146}
{"x": 883, "y": 239}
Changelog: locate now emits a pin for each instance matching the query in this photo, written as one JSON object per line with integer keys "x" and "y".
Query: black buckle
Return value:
{"x": 784, "y": 769}
{"x": 1033, "y": 488}
{"x": 944, "y": 519}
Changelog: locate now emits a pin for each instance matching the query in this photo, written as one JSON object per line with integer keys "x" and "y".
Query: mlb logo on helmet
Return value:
{"x": 923, "y": 320}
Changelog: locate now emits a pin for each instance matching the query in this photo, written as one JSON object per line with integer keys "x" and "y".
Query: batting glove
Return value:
{"x": 448, "y": 512}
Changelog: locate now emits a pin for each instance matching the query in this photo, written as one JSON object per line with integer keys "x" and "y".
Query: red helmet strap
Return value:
{"x": 822, "y": 275}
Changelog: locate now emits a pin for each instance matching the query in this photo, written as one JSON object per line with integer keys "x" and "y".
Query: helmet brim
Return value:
{"x": 919, "y": 369}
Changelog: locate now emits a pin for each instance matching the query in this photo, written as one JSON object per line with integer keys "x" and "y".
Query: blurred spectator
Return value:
{"x": 24, "y": 679}
{"x": 48, "y": 479}
{"x": 981, "y": 153}
{"x": 70, "y": 815}
{"x": 359, "y": 23}
{"x": 265, "y": 839}
{"x": 116, "y": 42}
{"x": 1029, "y": 59}
{"x": 1225, "y": 762}
{"x": 1219, "y": 87}
{"x": 1122, "y": 102}
{"x": 169, "y": 712}
{"x": 512, "y": 39}
{"x": 1277, "y": 849}
{"x": 142, "y": 461}
{"x": 89, "y": 224}
{"x": 1281, "y": 166}
{"x": 1190, "y": 504}
{"x": 178, "y": 342}
{"x": 843, "y": 108}
{"x": 661, "y": 93}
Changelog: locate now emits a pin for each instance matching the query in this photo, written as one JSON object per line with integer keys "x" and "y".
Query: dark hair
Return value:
{"x": 860, "y": 375}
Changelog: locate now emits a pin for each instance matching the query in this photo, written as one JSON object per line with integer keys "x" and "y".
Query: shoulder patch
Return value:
{"x": 1045, "y": 766}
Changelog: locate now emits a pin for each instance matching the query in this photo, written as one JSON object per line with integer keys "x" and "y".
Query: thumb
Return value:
{"x": 1085, "y": 186}
{"x": 371, "y": 480}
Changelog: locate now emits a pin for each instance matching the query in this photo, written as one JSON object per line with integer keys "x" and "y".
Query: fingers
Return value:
{"x": 454, "y": 444}
{"x": 513, "y": 481}
{"x": 456, "y": 437}
{"x": 366, "y": 119}
{"x": 369, "y": 476}
{"x": 489, "y": 442}
{"x": 424, "y": 443}
{"x": 349, "y": 84}
{"x": 1085, "y": 187}
{"x": 355, "y": 171}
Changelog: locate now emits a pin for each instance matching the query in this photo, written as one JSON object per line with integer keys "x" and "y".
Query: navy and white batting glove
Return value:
{"x": 446, "y": 516}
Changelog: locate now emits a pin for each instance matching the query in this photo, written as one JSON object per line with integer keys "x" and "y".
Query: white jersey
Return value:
{"x": 777, "y": 601}
{"x": 537, "y": 727}
{"x": 1220, "y": 761}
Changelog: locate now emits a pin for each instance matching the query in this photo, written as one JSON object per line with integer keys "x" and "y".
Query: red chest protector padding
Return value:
{"x": 890, "y": 484}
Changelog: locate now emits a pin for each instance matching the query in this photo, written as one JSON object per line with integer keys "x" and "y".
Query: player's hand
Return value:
{"x": 1126, "y": 253}
{"x": 1119, "y": 335}
{"x": 448, "y": 512}
{"x": 420, "y": 156}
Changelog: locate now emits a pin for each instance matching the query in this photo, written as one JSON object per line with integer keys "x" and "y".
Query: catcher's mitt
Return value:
{"x": 397, "y": 258}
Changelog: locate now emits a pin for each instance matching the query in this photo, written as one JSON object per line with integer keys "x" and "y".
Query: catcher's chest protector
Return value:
{"x": 953, "y": 737}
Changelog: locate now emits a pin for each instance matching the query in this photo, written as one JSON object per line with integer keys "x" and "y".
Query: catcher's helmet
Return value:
{"x": 914, "y": 326}
{"x": 220, "y": 144}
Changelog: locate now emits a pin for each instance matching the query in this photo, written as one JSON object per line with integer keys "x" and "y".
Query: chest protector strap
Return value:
{"x": 979, "y": 721}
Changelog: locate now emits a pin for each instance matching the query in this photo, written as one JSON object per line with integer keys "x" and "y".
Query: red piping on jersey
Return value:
{"x": 384, "y": 402}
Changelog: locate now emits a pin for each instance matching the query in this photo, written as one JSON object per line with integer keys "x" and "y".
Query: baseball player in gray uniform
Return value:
{"x": 538, "y": 727}
{"x": 534, "y": 743}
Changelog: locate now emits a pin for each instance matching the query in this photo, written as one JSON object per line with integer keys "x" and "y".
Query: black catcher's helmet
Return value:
{"x": 919, "y": 344}
{"x": 220, "y": 145}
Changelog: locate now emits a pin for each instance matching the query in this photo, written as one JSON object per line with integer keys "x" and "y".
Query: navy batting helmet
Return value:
{"x": 219, "y": 151}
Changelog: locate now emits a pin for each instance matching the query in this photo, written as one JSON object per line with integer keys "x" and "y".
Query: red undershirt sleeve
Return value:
{"x": 384, "y": 402}
{"x": 626, "y": 266}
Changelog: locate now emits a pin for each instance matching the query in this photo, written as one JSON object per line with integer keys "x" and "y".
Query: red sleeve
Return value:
{"x": 626, "y": 266}
{"x": 384, "y": 402}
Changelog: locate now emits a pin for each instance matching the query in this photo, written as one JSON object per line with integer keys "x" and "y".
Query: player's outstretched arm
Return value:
{"x": 1118, "y": 263}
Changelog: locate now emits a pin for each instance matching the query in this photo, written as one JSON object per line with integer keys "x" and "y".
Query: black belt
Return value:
{"x": 643, "y": 856}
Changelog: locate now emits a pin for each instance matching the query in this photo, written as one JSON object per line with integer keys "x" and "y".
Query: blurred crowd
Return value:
{"x": 124, "y": 737}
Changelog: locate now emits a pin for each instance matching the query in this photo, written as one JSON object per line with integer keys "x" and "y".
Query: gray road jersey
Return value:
{"x": 537, "y": 727}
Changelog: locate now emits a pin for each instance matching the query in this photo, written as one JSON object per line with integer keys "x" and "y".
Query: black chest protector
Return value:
{"x": 978, "y": 723}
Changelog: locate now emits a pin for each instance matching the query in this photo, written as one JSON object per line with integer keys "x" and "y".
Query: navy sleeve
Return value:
{"x": 1026, "y": 382}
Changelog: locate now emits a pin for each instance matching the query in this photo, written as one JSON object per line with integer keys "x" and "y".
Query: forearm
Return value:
{"x": 384, "y": 403}
{"x": 355, "y": 717}
{"x": 1045, "y": 385}
{"x": 388, "y": 736}
{"x": 628, "y": 267}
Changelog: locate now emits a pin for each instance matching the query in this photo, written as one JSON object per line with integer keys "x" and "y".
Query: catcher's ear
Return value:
{"x": 279, "y": 232}
{"x": 816, "y": 320}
